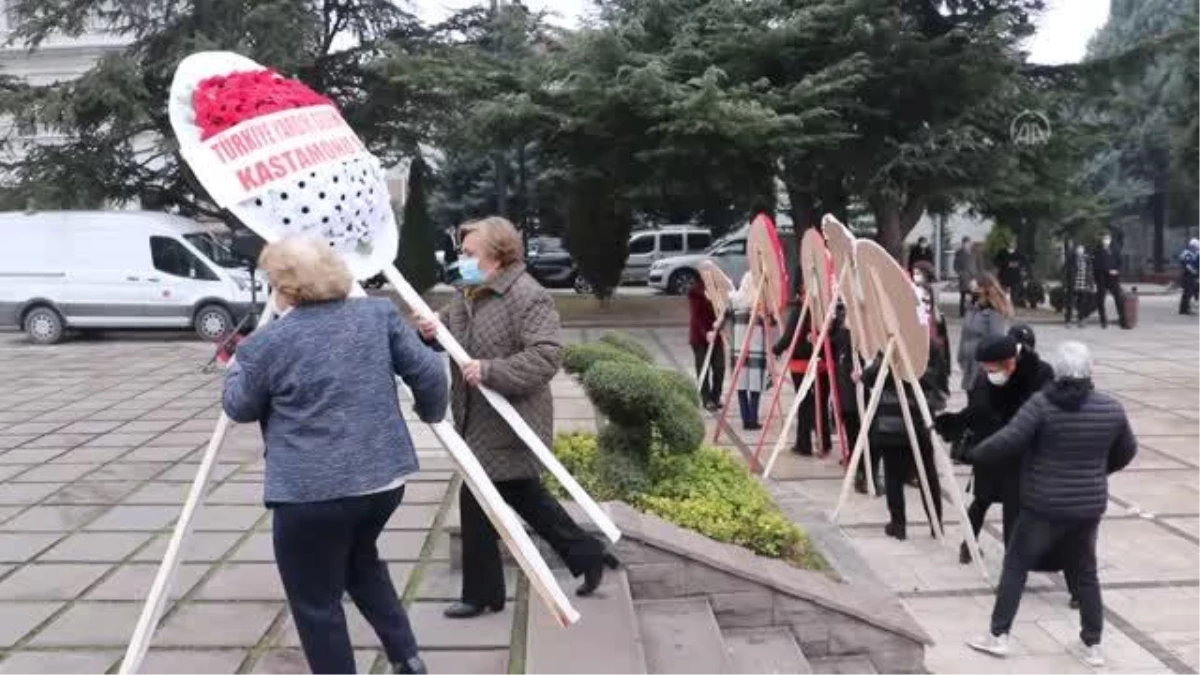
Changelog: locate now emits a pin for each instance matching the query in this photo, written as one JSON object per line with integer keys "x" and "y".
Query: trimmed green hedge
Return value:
{"x": 707, "y": 491}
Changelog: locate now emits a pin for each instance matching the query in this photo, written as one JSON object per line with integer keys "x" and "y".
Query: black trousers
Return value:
{"x": 1191, "y": 291}
{"x": 964, "y": 301}
{"x": 1075, "y": 303}
{"x": 714, "y": 381}
{"x": 898, "y": 466}
{"x": 483, "y": 571}
{"x": 1074, "y": 543}
{"x": 325, "y": 549}
{"x": 1006, "y": 490}
{"x": 1110, "y": 286}
{"x": 806, "y": 419}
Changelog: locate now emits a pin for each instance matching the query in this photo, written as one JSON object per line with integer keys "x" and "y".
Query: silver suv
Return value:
{"x": 648, "y": 246}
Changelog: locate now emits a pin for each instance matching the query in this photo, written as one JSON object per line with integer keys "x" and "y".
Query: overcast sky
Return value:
{"x": 1062, "y": 37}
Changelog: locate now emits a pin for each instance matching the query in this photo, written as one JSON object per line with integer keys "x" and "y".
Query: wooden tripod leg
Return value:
{"x": 704, "y": 368}
{"x": 741, "y": 362}
{"x": 835, "y": 399}
{"x": 867, "y": 419}
{"x": 810, "y": 375}
{"x": 915, "y": 444}
{"x": 777, "y": 390}
{"x": 942, "y": 458}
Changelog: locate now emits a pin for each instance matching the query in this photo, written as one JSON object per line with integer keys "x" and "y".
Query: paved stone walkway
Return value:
{"x": 1149, "y": 551}
{"x": 99, "y": 442}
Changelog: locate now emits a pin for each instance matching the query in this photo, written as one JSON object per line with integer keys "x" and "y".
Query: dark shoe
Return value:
{"x": 592, "y": 577}
{"x": 860, "y": 484}
{"x": 1073, "y": 603}
{"x": 751, "y": 426}
{"x": 964, "y": 554}
{"x": 466, "y": 610}
{"x": 413, "y": 666}
{"x": 803, "y": 452}
{"x": 712, "y": 406}
{"x": 895, "y": 531}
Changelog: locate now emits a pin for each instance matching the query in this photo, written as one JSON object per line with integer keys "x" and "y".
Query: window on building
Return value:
{"x": 172, "y": 257}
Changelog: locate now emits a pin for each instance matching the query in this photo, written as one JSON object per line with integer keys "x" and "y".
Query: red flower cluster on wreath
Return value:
{"x": 224, "y": 101}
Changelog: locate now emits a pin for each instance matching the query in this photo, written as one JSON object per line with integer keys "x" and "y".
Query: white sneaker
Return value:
{"x": 1093, "y": 656}
{"x": 996, "y": 645}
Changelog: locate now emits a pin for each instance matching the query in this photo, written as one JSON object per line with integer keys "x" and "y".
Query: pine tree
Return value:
{"x": 416, "y": 259}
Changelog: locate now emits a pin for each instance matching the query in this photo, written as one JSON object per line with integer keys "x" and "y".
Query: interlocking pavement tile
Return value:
{"x": 89, "y": 427}
{"x": 86, "y": 455}
{"x": 160, "y": 453}
{"x": 167, "y": 494}
{"x": 436, "y": 631}
{"x": 242, "y": 493}
{"x": 18, "y": 618}
{"x": 95, "y": 547}
{"x": 199, "y": 547}
{"x": 124, "y": 517}
{"x": 291, "y": 662}
{"x": 50, "y": 662}
{"x": 258, "y": 547}
{"x": 401, "y": 545}
{"x": 133, "y": 581}
{"x": 87, "y": 492}
{"x": 193, "y": 662}
{"x": 425, "y": 493}
{"x": 243, "y": 581}
{"x": 23, "y": 494}
{"x": 55, "y": 473}
{"x": 120, "y": 440}
{"x": 135, "y": 471}
{"x": 217, "y": 518}
{"x": 22, "y": 547}
{"x": 27, "y": 456}
{"x": 186, "y": 472}
{"x": 50, "y": 581}
{"x": 413, "y": 517}
{"x": 213, "y": 624}
{"x": 474, "y": 661}
{"x": 439, "y": 582}
{"x": 91, "y": 624}
{"x": 52, "y": 518}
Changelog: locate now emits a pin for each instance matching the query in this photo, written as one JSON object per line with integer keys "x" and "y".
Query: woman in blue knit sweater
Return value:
{"x": 320, "y": 381}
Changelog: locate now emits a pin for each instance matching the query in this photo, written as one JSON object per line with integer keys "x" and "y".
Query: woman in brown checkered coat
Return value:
{"x": 508, "y": 322}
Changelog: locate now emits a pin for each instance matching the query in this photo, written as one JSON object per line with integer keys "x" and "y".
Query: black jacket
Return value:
{"x": 1104, "y": 261}
{"x": 990, "y": 407}
{"x": 887, "y": 429}
{"x": 803, "y": 350}
{"x": 1070, "y": 438}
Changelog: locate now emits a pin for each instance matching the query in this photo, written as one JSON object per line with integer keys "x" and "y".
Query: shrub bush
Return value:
{"x": 707, "y": 491}
{"x": 627, "y": 393}
{"x": 627, "y": 344}
{"x": 580, "y": 358}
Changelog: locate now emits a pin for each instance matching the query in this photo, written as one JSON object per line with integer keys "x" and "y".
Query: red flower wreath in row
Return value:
{"x": 225, "y": 101}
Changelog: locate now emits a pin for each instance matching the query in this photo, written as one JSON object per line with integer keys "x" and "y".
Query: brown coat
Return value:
{"x": 509, "y": 324}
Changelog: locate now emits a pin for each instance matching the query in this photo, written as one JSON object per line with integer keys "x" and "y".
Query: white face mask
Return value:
{"x": 276, "y": 310}
{"x": 998, "y": 378}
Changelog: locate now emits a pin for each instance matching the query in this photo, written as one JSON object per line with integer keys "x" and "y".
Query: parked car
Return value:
{"x": 64, "y": 270}
{"x": 675, "y": 275}
{"x": 547, "y": 260}
{"x": 649, "y": 246}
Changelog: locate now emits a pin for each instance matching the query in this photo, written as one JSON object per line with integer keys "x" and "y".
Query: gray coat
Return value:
{"x": 510, "y": 324}
{"x": 1068, "y": 439}
{"x": 980, "y": 322}
{"x": 321, "y": 381}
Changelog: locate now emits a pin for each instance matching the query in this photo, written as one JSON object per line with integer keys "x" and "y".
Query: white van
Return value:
{"x": 63, "y": 270}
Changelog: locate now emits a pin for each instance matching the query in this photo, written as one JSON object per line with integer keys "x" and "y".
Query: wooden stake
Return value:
{"x": 914, "y": 444}
{"x": 777, "y": 390}
{"x": 867, "y": 419}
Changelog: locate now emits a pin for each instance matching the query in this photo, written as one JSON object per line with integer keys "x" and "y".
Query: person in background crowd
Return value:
{"x": 888, "y": 435}
{"x": 508, "y": 322}
{"x": 1078, "y": 283}
{"x": 753, "y": 378}
{"x": 1010, "y": 266}
{"x": 1106, "y": 265}
{"x": 989, "y": 315}
{"x": 1012, "y": 373}
{"x": 321, "y": 383}
{"x": 966, "y": 266}
{"x": 1189, "y": 279}
{"x": 798, "y": 362}
{"x": 701, "y": 333}
{"x": 1071, "y": 437}
{"x": 919, "y": 252}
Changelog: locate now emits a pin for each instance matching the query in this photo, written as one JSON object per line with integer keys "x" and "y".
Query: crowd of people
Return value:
{"x": 1039, "y": 438}
{"x": 320, "y": 380}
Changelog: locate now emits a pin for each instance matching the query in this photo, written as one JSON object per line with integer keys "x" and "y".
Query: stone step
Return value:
{"x": 682, "y": 636}
{"x": 765, "y": 650}
{"x": 604, "y": 640}
{"x": 835, "y": 665}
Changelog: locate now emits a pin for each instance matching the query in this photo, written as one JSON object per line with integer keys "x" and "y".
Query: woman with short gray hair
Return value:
{"x": 1071, "y": 437}
{"x": 320, "y": 381}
